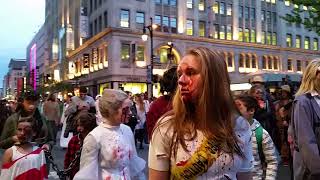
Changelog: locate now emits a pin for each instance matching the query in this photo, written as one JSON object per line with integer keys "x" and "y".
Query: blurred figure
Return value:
{"x": 142, "y": 108}
{"x": 65, "y": 140}
{"x": 163, "y": 104}
{"x": 109, "y": 150}
{"x": 305, "y": 125}
{"x": 24, "y": 160}
{"x": 26, "y": 108}
{"x": 264, "y": 151}
{"x": 86, "y": 122}
{"x": 51, "y": 111}
{"x": 5, "y": 113}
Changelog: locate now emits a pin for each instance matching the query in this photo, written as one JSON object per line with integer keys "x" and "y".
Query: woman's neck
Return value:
{"x": 110, "y": 122}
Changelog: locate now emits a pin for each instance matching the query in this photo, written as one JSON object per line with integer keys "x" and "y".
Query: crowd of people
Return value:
{"x": 197, "y": 129}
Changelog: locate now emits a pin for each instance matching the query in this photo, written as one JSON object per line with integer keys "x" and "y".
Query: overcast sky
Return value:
{"x": 20, "y": 20}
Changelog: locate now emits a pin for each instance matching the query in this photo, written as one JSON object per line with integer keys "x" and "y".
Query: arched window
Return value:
{"x": 254, "y": 61}
{"x": 270, "y": 58}
{"x": 264, "y": 62}
{"x": 230, "y": 59}
{"x": 248, "y": 58}
{"x": 241, "y": 60}
{"x": 276, "y": 63}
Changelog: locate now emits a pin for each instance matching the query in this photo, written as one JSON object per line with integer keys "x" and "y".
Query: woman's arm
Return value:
{"x": 7, "y": 156}
{"x": 158, "y": 175}
{"x": 89, "y": 151}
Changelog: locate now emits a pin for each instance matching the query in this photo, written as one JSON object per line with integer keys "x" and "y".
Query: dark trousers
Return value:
{"x": 53, "y": 129}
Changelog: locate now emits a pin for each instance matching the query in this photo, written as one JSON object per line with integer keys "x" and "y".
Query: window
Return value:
{"x": 269, "y": 63}
{"x": 269, "y": 38}
{"x": 230, "y": 60}
{"x": 124, "y": 19}
{"x": 254, "y": 61}
{"x": 263, "y": 16}
{"x": 189, "y": 27}
{"x": 315, "y": 44}
{"x": 222, "y": 8}
{"x": 289, "y": 40}
{"x": 240, "y": 34}
{"x": 100, "y": 23}
{"x": 248, "y": 57}
{"x": 215, "y": 7}
{"x": 264, "y": 62}
{"x": 273, "y": 1}
{"x": 275, "y": 63}
{"x": 289, "y": 65}
{"x": 306, "y": 43}
{"x": 105, "y": 17}
{"x": 95, "y": 26}
{"x": 173, "y": 2}
{"x": 157, "y": 21}
{"x": 298, "y": 41}
{"x": 229, "y": 9}
{"x": 263, "y": 37}
{"x": 202, "y": 28}
{"x": 157, "y": 1}
{"x": 274, "y": 19}
{"x": 201, "y": 5}
{"x": 240, "y": 12}
{"x": 140, "y": 53}
{"x": 253, "y": 16}
{"x": 229, "y": 32}
{"x": 299, "y": 65}
{"x": 165, "y": 23}
{"x": 287, "y": 2}
{"x": 253, "y": 36}
{"x": 222, "y": 33}
{"x": 216, "y": 31}
{"x": 246, "y": 13}
{"x": 246, "y": 35}
{"x": 274, "y": 39}
{"x": 165, "y": 2}
{"x": 140, "y": 17}
{"x": 173, "y": 24}
{"x": 189, "y": 4}
{"x": 241, "y": 61}
{"x": 269, "y": 18}
{"x": 125, "y": 51}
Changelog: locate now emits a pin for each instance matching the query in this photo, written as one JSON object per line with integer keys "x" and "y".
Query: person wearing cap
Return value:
{"x": 27, "y": 107}
{"x": 283, "y": 109}
{"x": 109, "y": 150}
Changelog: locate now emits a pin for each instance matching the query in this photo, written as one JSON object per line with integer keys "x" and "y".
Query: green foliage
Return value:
{"x": 309, "y": 18}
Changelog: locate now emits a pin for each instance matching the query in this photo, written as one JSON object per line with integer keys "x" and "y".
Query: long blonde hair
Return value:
{"x": 309, "y": 82}
{"x": 214, "y": 112}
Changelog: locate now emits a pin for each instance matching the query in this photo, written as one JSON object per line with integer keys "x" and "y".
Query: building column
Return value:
{"x": 258, "y": 21}
{"x": 196, "y": 18}
{"x": 182, "y": 13}
{"x": 235, "y": 20}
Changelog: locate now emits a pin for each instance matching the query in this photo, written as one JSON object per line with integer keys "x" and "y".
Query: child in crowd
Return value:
{"x": 24, "y": 160}
{"x": 85, "y": 123}
{"x": 264, "y": 151}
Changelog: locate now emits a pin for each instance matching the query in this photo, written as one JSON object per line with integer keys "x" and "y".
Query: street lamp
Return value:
{"x": 149, "y": 67}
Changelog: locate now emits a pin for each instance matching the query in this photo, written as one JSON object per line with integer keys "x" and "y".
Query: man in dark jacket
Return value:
{"x": 26, "y": 108}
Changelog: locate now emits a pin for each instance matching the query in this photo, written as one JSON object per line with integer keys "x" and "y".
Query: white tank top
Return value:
{"x": 16, "y": 154}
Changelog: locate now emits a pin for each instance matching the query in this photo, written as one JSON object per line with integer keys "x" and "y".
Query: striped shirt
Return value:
{"x": 269, "y": 152}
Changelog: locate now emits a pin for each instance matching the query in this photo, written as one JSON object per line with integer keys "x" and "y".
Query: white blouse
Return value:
{"x": 114, "y": 150}
{"x": 225, "y": 167}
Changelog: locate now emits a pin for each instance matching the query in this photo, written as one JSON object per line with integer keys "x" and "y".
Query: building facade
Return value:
{"x": 38, "y": 59}
{"x": 15, "y": 78}
{"x": 250, "y": 33}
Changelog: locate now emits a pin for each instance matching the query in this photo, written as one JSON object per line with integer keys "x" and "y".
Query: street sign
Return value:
{"x": 149, "y": 74}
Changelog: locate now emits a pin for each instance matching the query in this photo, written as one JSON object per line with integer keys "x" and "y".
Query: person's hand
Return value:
{"x": 46, "y": 147}
{"x": 285, "y": 123}
{"x": 15, "y": 139}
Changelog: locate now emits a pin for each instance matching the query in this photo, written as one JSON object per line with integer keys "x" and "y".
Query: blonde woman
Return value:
{"x": 305, "y": 125}
{"x": 109, "y": 150}
{"x": 202, "y": 137}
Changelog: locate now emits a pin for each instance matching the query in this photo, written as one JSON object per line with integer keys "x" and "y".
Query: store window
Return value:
{"x": 216, "y": 31}
{"x": 229, "y": 32}
{"x": 140, "y": 53}
{"x": 240, "y": 34}
{"x": 222, "y": 33}
{"x": 246, "y": 35}
{"x": 253, "y": 36}
{"x": 202, "y": 28}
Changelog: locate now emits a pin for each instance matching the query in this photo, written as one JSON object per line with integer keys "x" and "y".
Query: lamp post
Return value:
{"x": 150, "y": 66}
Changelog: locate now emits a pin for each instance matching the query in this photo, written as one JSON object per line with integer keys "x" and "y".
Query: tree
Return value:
{"x": 309, "y": 17}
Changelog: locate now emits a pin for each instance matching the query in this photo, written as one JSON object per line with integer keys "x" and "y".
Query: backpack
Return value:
{"x": 259, "y": 134}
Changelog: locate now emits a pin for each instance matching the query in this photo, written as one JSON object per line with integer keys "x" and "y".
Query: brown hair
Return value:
{"x": 87, "y": 120}
{"x": 214, "y": 113}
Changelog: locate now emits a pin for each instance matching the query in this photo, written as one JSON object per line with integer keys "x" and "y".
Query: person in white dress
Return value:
{"x": 202, "y": 137}
{"x": 65, "y": 140}
{"x": 109, "y": 150}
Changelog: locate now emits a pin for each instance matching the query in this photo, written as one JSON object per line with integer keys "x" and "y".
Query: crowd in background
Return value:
{"x": 197, "y": 113}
